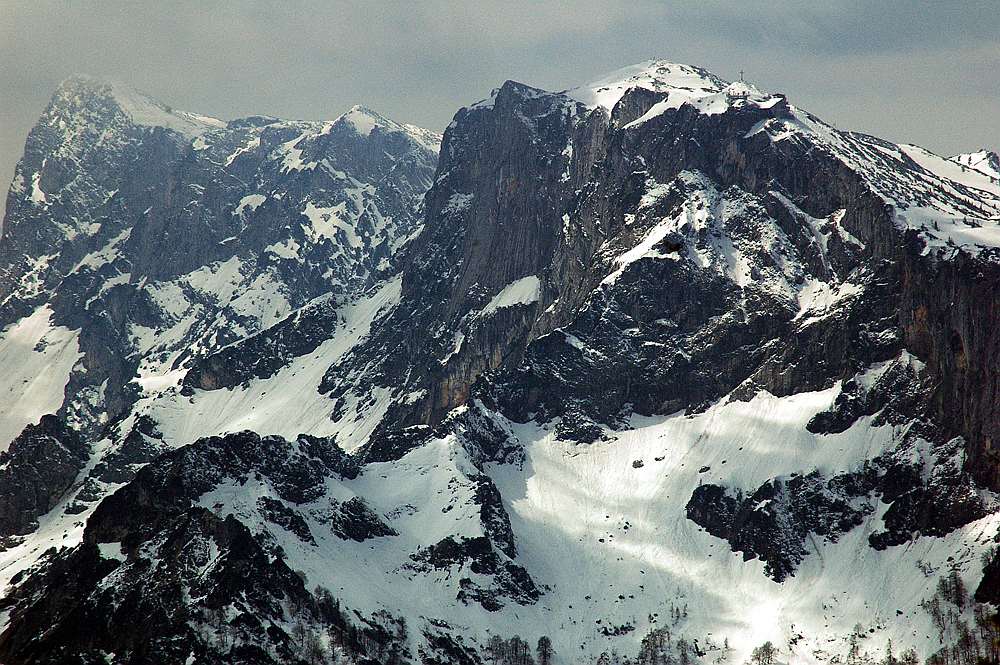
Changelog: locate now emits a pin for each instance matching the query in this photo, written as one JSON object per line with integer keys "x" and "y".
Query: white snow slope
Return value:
{"x": 611, "y": 546}
{"x": 36, "y": 358}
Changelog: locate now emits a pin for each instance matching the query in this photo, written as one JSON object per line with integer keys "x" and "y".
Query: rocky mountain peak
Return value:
{"x": 86, "y": 98}
{"x": 154, "y": 228}
{"x": 984, "y": 160}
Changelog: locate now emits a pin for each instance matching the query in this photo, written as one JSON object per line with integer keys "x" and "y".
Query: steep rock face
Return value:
{"x": 38, "y": 467}
{"x": 470, "y": 289}
{"x": 948, "y": 313}
{"x": 839, "y": 202}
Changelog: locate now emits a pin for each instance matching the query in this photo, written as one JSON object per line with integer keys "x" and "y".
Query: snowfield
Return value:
{"x": 286, "y": 404}
{"x": 609, "y": 542}
{"x": 37, "y": 358}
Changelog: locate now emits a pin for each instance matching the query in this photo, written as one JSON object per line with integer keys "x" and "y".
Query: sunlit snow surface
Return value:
{"x": 36, "y": 358}
{"x": 569, "y": 496}
{"x": 611, "y": 542}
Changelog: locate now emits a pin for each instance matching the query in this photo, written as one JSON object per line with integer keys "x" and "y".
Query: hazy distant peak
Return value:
{"x": 84, "y": 95}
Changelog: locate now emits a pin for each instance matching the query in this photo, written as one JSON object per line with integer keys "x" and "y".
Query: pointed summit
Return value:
{"x": 364, "y": 120}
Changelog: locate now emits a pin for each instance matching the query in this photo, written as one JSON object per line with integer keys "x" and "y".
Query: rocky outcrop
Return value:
{"x": 141, "y": 446}
{"x": 777, "y": 519}
{"x": 276, "y": 512}
{"x": 355, "y": 520}
{"x": 477, "y": 556}
{"x": 782, "y": 520}
{"x": 36, "y": 471}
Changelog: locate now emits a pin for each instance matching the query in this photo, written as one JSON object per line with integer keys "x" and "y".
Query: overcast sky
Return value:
{"x": 925, "y": 72}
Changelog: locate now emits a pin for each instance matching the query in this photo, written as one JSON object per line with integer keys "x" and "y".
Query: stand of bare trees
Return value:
{"x": 969, "y": 631}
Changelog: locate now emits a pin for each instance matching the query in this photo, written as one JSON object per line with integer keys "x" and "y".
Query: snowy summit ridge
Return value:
{"x": 80, "y": 92}
{"x": 983, "y": 160}
{"x": 363, "y": 120}
{"x": 656, "y": 75}
{"x": 677, "y": 85}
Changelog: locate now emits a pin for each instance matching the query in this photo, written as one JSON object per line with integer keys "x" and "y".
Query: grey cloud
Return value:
{"x": 848, "y": 26}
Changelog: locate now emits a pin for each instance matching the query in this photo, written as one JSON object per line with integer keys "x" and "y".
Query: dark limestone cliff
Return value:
{"x": 949, "y": 313}
{"x": 35, "y": 472}
{"x": 508, "y": 168}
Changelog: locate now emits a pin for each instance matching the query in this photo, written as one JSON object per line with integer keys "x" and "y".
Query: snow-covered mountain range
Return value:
{"x": 659, "y": 368}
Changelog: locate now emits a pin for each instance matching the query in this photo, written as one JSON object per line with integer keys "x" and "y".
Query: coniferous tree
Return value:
{"x": 520, "y": 652}
{"x": 544, "y": 650}
{"x": 299, "y": 633}
{"x": 314, "y": 652}
{"x": 890, "y": 658}
{"x": 854, "y": 647}
{"x": 764, "y": 654}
